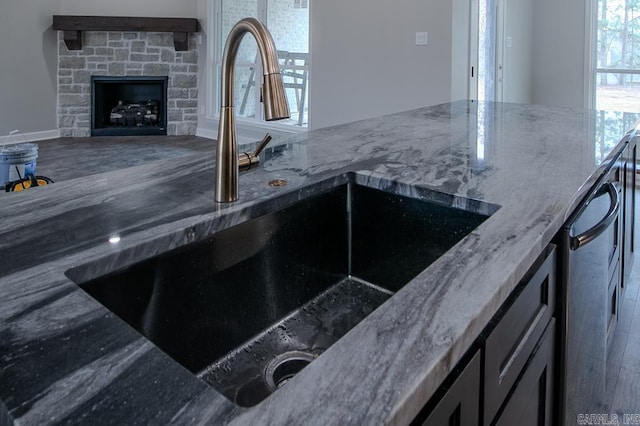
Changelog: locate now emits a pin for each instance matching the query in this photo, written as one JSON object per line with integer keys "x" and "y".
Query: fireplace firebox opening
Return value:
{"x": 128, "y": 106}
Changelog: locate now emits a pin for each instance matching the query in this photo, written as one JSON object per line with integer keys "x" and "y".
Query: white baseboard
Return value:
{"x": 29, "y": 137}
{"x": 247, "y": 133}
{"x": 207, "y": 133}
{"x": 213, "y": 135}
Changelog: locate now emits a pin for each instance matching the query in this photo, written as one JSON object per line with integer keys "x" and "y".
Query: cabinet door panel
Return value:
{"x": 460, "y": 405}
{"x": 510, "y": 344}
{"x": 613, "y": 305}
{"x": 531, "y": 402}
{"x": 629, "y": 212}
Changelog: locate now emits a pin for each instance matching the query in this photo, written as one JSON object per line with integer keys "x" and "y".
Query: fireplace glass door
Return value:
{"x": 128, "y": 106}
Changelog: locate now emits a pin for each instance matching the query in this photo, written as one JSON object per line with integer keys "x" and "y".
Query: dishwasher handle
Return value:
{"x": 590, "y": 234}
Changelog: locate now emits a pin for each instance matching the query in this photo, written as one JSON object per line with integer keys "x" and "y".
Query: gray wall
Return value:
{"x": 460, "y": 65}
{"x": 365, "y": 62}
{"x": 558, "y": 53}
{"x": 28, "y": 62}
{"x": 155, "y": 8}
{"x": 518, "y": 56}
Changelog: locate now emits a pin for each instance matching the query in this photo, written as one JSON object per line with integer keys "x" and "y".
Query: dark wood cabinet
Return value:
{"x": 613, "y": 305}
{"x": 513, "y": 359}
{"x": 531, "y": 402}
{"x": 629, "y": 160}
{"x": 460, "y": 405}
{"x": 517, "y": 330}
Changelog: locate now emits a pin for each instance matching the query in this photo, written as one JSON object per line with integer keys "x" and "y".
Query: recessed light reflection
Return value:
{"x": 114, "y": 239}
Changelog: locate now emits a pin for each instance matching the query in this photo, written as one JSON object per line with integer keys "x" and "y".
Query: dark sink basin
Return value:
{"x": 250, "y": 306}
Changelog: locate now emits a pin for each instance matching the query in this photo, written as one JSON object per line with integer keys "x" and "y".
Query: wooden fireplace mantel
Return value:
{"x": 74, "y": 25}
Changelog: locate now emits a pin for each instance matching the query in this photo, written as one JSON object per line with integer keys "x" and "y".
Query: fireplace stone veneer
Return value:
{"x": 126, "y": 54}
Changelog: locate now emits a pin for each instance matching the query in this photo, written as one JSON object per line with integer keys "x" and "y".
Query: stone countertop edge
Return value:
{"x": 65, "y": 358}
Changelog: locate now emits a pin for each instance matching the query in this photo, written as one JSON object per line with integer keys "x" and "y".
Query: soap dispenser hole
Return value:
{"x": 277, "y": 182}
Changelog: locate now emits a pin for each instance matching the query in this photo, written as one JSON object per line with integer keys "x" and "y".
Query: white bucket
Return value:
{"x": 17, "y": 161}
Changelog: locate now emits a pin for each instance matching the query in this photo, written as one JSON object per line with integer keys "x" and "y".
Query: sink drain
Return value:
{"x": 285, "y": 366}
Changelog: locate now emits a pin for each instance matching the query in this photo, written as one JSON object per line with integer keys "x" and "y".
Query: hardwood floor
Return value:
{"x": 67, "y": 158}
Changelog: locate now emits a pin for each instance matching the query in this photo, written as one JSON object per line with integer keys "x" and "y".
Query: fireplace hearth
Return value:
{"x": 128, "y": 106}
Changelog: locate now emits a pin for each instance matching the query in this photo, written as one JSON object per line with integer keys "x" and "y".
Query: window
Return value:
{"x": 487, "y": 36}
{"x": 617, "y": 52}
{"x": 288, "y": 23}
{"x": 609, "y": 126}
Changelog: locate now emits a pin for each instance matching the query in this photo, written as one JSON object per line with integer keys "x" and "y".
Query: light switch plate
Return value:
{"x": 422, "y": 39}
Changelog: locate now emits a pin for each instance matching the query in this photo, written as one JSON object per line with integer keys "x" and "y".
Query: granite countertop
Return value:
{"x": 65, "y": 358}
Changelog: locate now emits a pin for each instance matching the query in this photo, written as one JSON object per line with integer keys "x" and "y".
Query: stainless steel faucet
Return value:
{"x": 272, "y": 95}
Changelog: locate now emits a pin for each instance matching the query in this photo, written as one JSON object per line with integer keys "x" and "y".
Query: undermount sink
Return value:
{"x": 250, "y": 306}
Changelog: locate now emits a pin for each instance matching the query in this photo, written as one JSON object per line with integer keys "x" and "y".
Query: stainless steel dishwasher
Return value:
{"x": 590, "y": 292}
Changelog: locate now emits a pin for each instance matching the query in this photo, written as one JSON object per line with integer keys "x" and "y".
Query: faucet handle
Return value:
{"x": 249, "y": 161}
{"x": 263, "y": 143}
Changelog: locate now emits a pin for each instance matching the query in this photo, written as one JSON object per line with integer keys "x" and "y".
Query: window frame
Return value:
{"x": 591, "y": 57}
{"x": 249, "y": 129}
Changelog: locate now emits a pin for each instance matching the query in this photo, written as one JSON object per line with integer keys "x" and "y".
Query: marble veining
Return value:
{"x": 65, "y": 358}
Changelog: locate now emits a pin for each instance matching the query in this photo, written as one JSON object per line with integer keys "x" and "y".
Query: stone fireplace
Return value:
{"x": 122, "y": 54}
